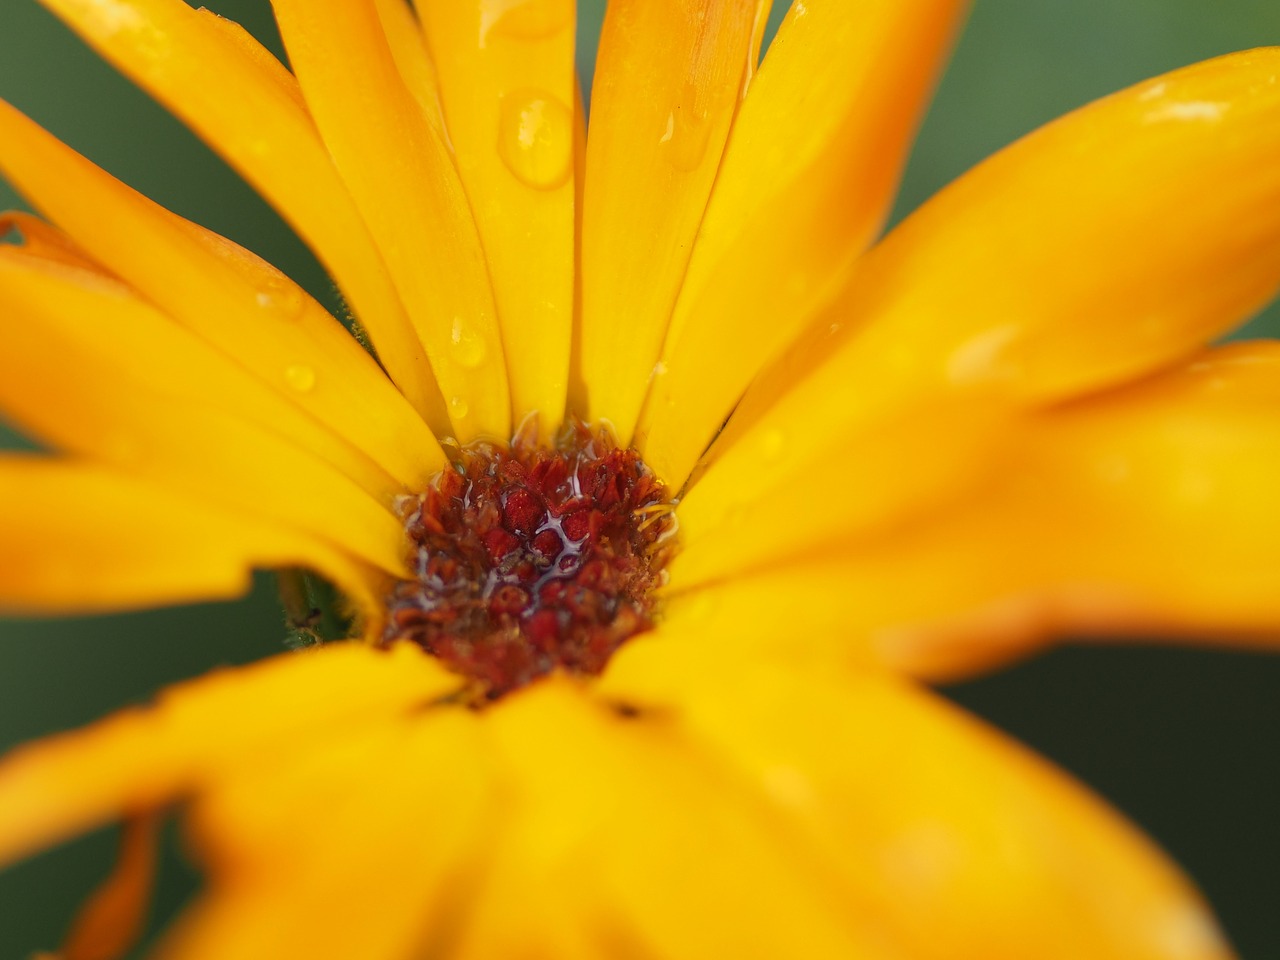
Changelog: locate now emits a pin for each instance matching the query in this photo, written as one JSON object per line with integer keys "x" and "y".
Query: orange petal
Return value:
{"x": 1106, "y": 245}
{"x": 111, "y": 922}
{"x": 650, "y": 845}
{"x": 114, "y": 342}
{"x": 825, "y": 128}
{"x": 950, "y": 840}
{"x": 508, "y": 83}
{"x": 667, "y": 81}
{"x": 1143, "y": 512}
{"x": 237, "y": 97}
{"x": 225, "y": 461}
{"x": 193, "y": 445}
{"x": 365, "y": 845}
{"x": 1148, "y": 512}
{"x": 759, "y": 27}
{"x": 43, "y": 240}
{"x": 861, "y": 487}
{"x": 399, "y": 171}
{"x": 202, "y": 731}
{"x": 413, "y": 59}
{"x": 225, "y": 295}
{"x": 80, "y": 539}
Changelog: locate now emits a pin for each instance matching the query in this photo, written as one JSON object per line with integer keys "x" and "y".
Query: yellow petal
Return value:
{"x": 65, "y": 317}
{"x": 1148, "y": 512}
{"x": 515, "y": 913}
{"x": 1144, "y": 512}
{"x": 43, "y": 240}
{"x": 1106, "y": 245}
{"x": 825, "y": 128}
{"x": 402, "y": 177}
{"x": 112, "y": 920}
{"x": 577, "y": 399}
{"x": 656, "y": 847}
{"x": 507, "y": 81}
{"x": 224, "y": 294}
{"x": 951, "y": 840}
{"x": 237, "y": 97}
{"x": 200, "y": 732}
{"x": 860, "y": 487}
{"x": 194, "y": 445}
{"x": 413, "y": 59}
{"x": 363, "y": 845}
{"x": 81, "y": 539}
{"x": 759, "y": 27}
{"x": 667, "y": 81}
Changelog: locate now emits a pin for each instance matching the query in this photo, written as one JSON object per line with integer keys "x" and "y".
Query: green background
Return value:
{"x": 1182, "y": 740}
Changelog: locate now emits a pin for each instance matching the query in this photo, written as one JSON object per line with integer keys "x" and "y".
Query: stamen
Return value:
{"x": 531, "y": 559}
{"x": 656, "y": 514}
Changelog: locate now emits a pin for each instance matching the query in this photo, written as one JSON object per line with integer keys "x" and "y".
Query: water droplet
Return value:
{"x": 282, "y": 297}
{"x": 1188, "y": 111}
{"x": 469, "y": 349}
{"x": 524, "y": 19}
{"x": 302, "y": 378}
{"x": 772, "y": 443}
{"x": 535, "y": 138}
{"x": 121, "y": 448}
{"x": 1154, "y": 91}
{"x": 459, "y": 408}
{"x": 735, "y": 516}
{"x": 985, "y": 356}
{"x": 696, "y": 607}
{"x": 1114, "y": 469}
{"x": 688, "y": 131}
{"x": 789, "y": 787}
{"x": 116, "y": 17}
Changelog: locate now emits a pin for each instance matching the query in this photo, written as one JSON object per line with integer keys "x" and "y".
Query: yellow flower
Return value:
{"x": 1000, "y": 424}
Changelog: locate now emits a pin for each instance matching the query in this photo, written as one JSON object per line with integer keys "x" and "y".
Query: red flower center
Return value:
{"x": 530, "y": 559}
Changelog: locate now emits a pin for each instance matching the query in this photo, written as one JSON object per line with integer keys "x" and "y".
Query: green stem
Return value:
{"x": 301, "y": 616}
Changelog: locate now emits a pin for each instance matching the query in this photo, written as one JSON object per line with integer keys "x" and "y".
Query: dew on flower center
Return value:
{"x": 530, "y": 559}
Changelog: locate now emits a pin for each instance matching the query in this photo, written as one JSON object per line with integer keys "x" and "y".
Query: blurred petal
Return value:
{"x": 110, "y": 341}
{"x": 112, "y": 920}
{"x": 225, "y": 295}
{"x": 860, "y": 490}
{"x": 1087, "y": 254}
{"x": 1159, "y": 506}
{"x": 951, "y": 840}
{"x": 80, "y": 538}
{"x": 154, "y": 427}
{"x": 508, "y": 84}
{"x": 809, "y": 173}
{"x": 667, "y": 81}
{"x": 1147, "y": 512}
{"x": 399, "y": 171}
{"x": 364, "y": 846}
{"x": 199, "y": 732}
{"x": 653, "y": 846}
{"x": 239, "y": 99}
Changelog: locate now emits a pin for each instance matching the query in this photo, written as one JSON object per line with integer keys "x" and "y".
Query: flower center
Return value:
{"x": 530, "y": 559}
